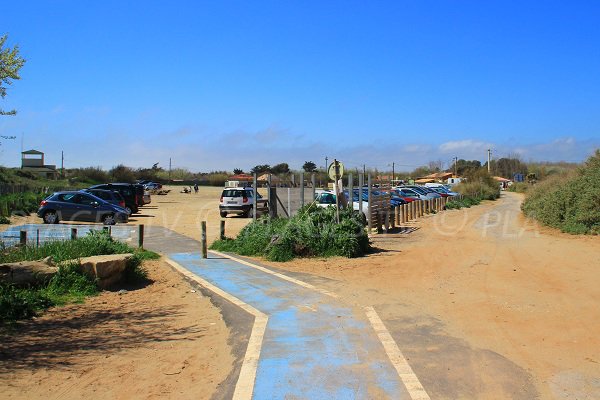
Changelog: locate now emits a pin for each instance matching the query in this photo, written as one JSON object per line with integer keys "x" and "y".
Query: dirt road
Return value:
{"x": 484, "y": 303}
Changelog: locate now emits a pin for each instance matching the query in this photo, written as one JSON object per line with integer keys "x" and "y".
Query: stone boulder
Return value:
{"x": 26, "y": 273}
{"x": 107, "y": 269}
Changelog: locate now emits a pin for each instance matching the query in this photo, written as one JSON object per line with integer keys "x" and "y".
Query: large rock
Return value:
{"x": 25, "y": 273}
{"x": 107, "y": 269}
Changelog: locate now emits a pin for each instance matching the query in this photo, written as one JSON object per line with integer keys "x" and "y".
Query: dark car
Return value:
{"x": 128, "y": 191}
{"x": 108, "y": 195}
{"x": 80, "y": 206}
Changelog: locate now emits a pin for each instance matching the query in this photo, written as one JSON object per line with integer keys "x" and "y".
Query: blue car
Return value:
{"x": 80, "y": 206}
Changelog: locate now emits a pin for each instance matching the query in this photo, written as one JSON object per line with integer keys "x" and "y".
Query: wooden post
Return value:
{"x": 222, "y": 230}
{"x": 37, "y": 238}
{"x": 141, "y": 236}
{"x": 254, "y": 195}
{"x": 301, "y": 190}
{"x": 203, "y": 240}
{"x": 73, "y": 233}
{"x": 313, "y": 182}
{"x": 289, "y": 202}
{"x": 397, "y": 214}
{"x": 23, "y": 238}
{"x": 379, "y": 222}
{"x": 370, "y": 198}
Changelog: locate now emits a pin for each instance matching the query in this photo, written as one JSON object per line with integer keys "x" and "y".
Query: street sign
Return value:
{"x": 331, "y": 170}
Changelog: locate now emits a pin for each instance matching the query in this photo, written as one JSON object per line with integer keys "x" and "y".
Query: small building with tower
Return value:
{"x": 33, "y": 161}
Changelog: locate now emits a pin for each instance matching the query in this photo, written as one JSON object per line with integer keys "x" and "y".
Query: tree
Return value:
{"x": 261, "y": 169}
{"x": 10, "y": 64}
{"x": 309, "y": 166}
{"x": 464, "y": 167}
{"x": 238, "y": 171}
{"x": 282, "y": 168}
{"x": 121, "y": 173}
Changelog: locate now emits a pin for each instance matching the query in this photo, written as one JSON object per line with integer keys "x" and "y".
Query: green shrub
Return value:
{"x": 570, "y": 202}
{"x": 68, "y": 284}
{"x": 313, "y": 231}
{"x": 519, "y": 187}
{"x": 479, "y": 185}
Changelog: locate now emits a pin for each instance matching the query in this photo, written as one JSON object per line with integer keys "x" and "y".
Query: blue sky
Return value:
{"x": 220, "y": 85}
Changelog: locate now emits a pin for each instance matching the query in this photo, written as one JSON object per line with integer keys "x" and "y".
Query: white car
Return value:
{"x": 239, "y": 200}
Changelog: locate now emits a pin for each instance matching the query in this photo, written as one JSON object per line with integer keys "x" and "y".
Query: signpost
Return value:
{"x": 335, "y": 172}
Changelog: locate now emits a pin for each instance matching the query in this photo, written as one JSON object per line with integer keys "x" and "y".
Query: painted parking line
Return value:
{"x": 313, "y": 347}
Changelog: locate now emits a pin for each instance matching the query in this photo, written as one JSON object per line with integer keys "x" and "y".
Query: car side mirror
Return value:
{"x": 95, "y": 204}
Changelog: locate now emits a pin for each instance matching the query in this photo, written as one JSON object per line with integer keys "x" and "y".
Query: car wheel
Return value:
{"x": 223, "y": 214}
{"x": 109, "y": 219}
{"x": 50, "y": 217}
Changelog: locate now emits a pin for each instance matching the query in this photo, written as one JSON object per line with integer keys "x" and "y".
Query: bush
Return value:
{"x": 519, "y": 187}
{"x": 569, "y": 202}
{"x": 69, "y": 284}
{"x": 479, "y": 185}
{"x": 312, "y": 232}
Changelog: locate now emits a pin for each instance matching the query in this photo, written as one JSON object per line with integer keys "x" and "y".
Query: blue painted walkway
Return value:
{"x": 314, "y": 346}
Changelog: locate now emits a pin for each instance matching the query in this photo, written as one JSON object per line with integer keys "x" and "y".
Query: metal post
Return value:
{"x": 222, "y": 230}
{"x": 23, "y": 238}
{"x": 203, "y": 239}
{"x": 141, "y": 236}
{"x": 369, "y": 200}
{"x": 254, "y": 195}
{"x": 289, "y": 203}
{"x": 350, "y": 191}
{"x": 302, "y": 189}
{"x": 361, "y": 182}
{"x": 336, "y": 168}
{"x": 313, "y": 181}
{"x": 73, "y": 233}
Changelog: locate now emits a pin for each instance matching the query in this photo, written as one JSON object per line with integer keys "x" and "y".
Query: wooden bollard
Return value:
{"x": 405, "y": 212}
{"x": 37, "y": 238}
{"x": 393, "y": 218}
{"x": 23, "y": 238}
{"x": 203, "y": 240}
{"x": 141, "y": 236}
{"x": 73, "y": 233}
{"x": 379, "y": 222}
{"x": 397, "y": 214}
{"x": 222, "y": 230}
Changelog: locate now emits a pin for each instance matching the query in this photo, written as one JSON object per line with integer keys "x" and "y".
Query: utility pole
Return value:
{"x": 489, "y": 159}
{"x": 62, "y": 163}
{"x": 169, "y": 169}
{"x": 393, "y": 165}
{"x": 455, "y": 167}
{"x": 326, "y": 165}
{"x": 364, "y": 169}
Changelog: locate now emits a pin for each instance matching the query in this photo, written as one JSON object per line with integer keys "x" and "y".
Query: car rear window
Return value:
{"x": 66, "y": 197}
{"x": 233, "y": 193}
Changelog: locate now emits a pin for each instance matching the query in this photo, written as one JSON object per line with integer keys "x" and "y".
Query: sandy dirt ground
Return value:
{"x": 482, "y": 302}
{"x": 163, "y": 340}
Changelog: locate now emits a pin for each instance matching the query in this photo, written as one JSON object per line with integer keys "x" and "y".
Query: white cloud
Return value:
{"x": 468, "y": 145}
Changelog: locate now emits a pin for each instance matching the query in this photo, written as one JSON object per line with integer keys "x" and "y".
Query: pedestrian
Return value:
{"x": 196, "y": 187}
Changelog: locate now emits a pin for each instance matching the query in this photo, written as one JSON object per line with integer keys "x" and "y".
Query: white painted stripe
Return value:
{"x": 245, "y": 384}
{"x": 277, "y": 274}
{"x": 405, "y": 372}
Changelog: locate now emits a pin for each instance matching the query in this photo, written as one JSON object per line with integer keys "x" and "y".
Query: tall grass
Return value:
{"x": 311, "y": 232}
{"x": 479, "y": 185}
{"x": 569, "y": 202}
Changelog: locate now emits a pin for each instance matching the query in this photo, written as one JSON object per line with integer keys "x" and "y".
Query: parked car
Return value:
{"x": 239, "y": 200}
{"x": 409, "y": 193}
{"x": 128, "y": 191}
{"x": 80, "y": 206}
{"x": 107, "y": 195}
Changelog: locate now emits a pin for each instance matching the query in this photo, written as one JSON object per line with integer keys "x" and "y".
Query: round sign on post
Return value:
{"x": 331, "y": 170}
